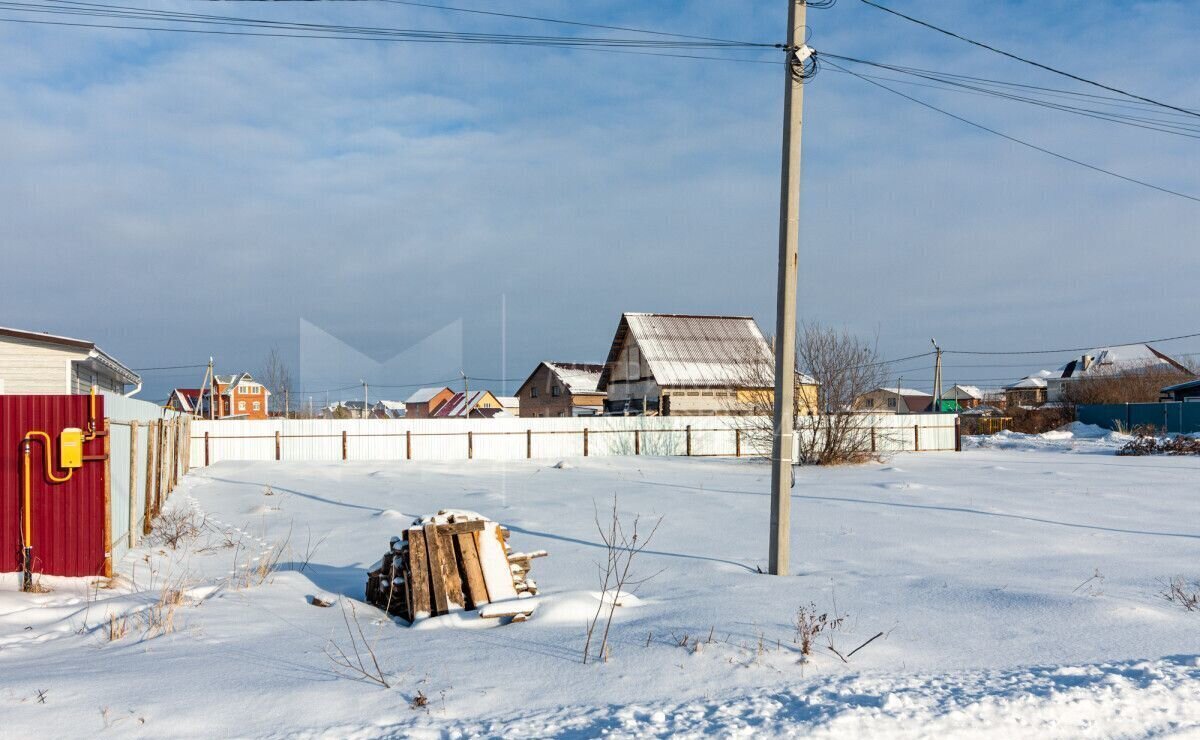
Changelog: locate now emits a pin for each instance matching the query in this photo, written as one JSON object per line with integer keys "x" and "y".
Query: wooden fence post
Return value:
{"x": 872, "y": 438}
{"x": 585, "y": 441}
{"x": 133, "y": 428}
{"x": 470, "y": 445}
{"x": 277, "y": 450}
{"x": 407, "y": 444}
{"x": 917, "y": 437}
{"x": 108, "y": 540}
{"x": 151, "y": 437}
{"x": 528, "y": 444}
{"x": 344, "y": 445}
{"x": 957, "y": 435}
{"x": 206, "y": 458}
{"x": 737, "y": 442}
{"x": 637, "y": 442}
{"x": 688, "y": 431}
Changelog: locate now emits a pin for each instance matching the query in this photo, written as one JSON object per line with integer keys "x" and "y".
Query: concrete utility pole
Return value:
{"x": 785, "y": 320}
{"x": 212, "y": 383}
{"x": 364, "y": 398}
{"x": 937, "y": 378}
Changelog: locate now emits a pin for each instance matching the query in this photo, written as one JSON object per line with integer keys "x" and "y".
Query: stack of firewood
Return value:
{"x": 454, "y": 560}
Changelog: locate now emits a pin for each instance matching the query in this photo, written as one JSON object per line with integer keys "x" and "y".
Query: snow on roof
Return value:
{"x": 1121, "y": 358}
{"x": 392, "y": 405}
{"x": 903, "y": 391}
{"x": 690, "y": 351}
{"x": 424, "y": 395}
{"x": 1031, "y": 381}
{"x": 959, "y": 392}
{"x": 509, "y": 402}
{"x": 578, "y": 377}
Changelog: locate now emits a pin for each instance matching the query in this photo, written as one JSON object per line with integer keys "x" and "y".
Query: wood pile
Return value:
{"x": 452, "y": 561}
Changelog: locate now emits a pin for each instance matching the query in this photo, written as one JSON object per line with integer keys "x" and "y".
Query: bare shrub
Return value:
{"x": 830, "y": 427}
{"x": 809, "y": 625}
{"x": 1183, "y": 593}
{"x": 1130, "y": 385}
{"x": 174, "y": 527}
{"x": 1149, "y": 445}
{"x": 358, "y": 660}
{"x": 621, "y": 545}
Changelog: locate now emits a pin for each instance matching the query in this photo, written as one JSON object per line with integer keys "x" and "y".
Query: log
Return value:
{"x": 418, "y": 565}
{"x": 475, "y": 589}
{"x": 437, "y": 582}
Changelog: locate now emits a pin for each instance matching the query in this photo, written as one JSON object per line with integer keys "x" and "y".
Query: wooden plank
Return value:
{"x": 450, "y": 573}
{"x": 418, "y": 564}
{"x": 476, "y": 590}
{"x": 151, "y": 435}
{"x": 437, "y": 584}
{"x": 461, "y": 527}
{"x": 133, "y": 435}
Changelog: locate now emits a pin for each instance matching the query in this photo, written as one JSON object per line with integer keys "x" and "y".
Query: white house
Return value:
{"x": 44, "y": 364}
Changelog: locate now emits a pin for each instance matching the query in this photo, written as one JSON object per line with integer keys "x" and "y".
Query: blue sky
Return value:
{"x": 174, "y": 197}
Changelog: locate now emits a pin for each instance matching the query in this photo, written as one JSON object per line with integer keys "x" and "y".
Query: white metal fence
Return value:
{"x": 147, "y": 454}
{"x": 527, "y": 438}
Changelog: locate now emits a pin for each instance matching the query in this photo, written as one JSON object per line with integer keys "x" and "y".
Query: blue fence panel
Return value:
{"x": 1173, "y": 417}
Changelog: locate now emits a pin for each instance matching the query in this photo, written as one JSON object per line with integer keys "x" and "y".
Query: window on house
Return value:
{"x": 532, "y": 392}
{"x": 241, "y": 405}
{"x": 257, "y": 406}
{"x": 891, "y": 403}
{"x": 556, "y": 391}
{"x": 870, "y": 403}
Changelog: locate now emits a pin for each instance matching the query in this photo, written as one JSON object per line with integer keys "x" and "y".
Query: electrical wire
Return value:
{"x": 168, "y": 367}
{"x": 1031, "y": 62}
{"x": 1160, "y": 340}
{"x": 1016, "y": 140}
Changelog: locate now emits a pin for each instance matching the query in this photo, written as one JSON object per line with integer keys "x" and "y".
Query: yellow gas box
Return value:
{"x": 70, "y": 448}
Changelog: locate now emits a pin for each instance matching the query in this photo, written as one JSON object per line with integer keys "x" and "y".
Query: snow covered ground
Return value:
{"x": 1017, "y": 584}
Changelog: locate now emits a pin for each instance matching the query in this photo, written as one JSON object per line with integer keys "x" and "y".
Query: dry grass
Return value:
{"x": 1183, "y": 592}
{"x": 809, "y": 625}
{"x": 118, "y": 627}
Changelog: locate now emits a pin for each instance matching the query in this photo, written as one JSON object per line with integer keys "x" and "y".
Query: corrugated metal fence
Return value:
{"x": 527, "y": 438}
{"x": 1174, "y": 417}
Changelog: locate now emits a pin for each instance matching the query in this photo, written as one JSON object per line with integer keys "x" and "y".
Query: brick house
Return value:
{"x": 562, "y": 389}
{"x": 240, "y": 396}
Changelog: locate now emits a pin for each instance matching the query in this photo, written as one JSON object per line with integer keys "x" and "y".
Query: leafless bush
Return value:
{"x": 1150, "y": 445}
{"x": 174, "y": 527}
{"x": 809, "y": 625}
{"x": 829, "y": 425}
{"x": 1131, "y": 385}
{"x": 1183, "y": 592}
{"x": 621, "y": 546}
{"x": 358, "y": 660}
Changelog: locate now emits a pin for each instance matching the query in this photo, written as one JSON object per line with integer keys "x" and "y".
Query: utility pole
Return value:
{"x": 212, "y": 383}
{"x": 785, "y": 319}
{"x": 937, "y": 378}
{"x": 364, "y": 398}
{"x": 466, "y": 394}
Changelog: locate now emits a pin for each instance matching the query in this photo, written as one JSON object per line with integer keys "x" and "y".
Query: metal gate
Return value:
{"x": 68, "y": 519}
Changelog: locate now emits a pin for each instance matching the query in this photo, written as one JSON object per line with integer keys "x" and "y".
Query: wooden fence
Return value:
{"x": 529, "y": 438}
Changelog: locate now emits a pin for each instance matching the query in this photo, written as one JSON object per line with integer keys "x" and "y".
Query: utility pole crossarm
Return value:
{"x": 785, "y": 319}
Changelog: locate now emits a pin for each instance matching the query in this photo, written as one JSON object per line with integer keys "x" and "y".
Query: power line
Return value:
{"x": 1074, "y": 349}
{"x": 168, "y": 367}
{"x": 1015, "y": 140}
{"x": 553, "y": 20}
{"x": 1031, "y": 62}
{"x": 947, "y": 82}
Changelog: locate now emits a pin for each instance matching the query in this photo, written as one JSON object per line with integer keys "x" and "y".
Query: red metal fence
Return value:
{"x": 69, "y": 519}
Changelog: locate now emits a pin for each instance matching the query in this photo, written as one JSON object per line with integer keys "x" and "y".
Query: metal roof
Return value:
{"x": 1182, "y": 386}
{"x": 425, "y": 395}
{"x": 578, "y": 377}
{"x": 689, "y": 351}
{"x": 94, "y": 352}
